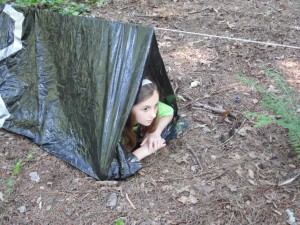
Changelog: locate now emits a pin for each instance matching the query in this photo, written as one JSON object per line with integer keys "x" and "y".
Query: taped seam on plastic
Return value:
{"x": 4, "y": 114}
{"x": 17, "y": 43}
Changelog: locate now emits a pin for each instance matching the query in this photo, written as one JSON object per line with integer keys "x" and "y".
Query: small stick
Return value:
{"x": 217, "y": 176}
{"x": 152, "y": 16}
{"x": 216, "y": 110}
{"x": 188, "y": 104}
{"x": 219, "y": 91}
{"x": 107, "y": 182}
{"x": 194, "y": 154}
{"x": 129, "y": 201}
{"x": 289, "y": 180}
{"x": 176, "y": 87}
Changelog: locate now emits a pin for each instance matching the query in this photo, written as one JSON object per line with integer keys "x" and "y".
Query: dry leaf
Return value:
{"x": 22, "y": 209}
{"x": 167, "y": 187}
{"x": 227, "y": 120}
{"x": 254, "y": 101}
{"x": 231, "y": 25}
{"x": 183, "y": 159}
{"x": 194, "y": 168}
{"x": 141, "y": 172}
{"x": 235, "y": 156}
{"x": 192, "y": 199}
{"x": 183, "y": 199}
{"x": 233, "y": 188}
{"x": 186, "y": 188}
{"x": 252, "y": 182}
{"x": 242, "y": 131}
{"x": 252, "y": 155}
{"x": 251, "y": 174}
{"x": 39, "y": 202}
{"x": 34, "y": 177}
{"x": 112, "y": 200}
{"x": 239, "y": 172}
{"x": 195, "y": 84}
{"x": 207, "y": 189}
{"x": 213, "y": 157}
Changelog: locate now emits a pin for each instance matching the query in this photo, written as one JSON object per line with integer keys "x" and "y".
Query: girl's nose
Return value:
{"x": 153, "y": 113}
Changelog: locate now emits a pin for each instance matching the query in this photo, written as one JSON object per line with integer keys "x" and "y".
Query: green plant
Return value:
{"x": 98, "y": 2}
{"x": 30, "y": 155}
{"x": 9, "y": 185}
{"x": 180, "y": 98}
{"x": 17, "y": 167}
{"x": 282, "y": 102}
{"x": 120, "y": 222}
{"x": 62, "y": 6}
{"x": 25, "y": 3}
{"x": 11, "y": 181}
{"x": 74, "y": 9}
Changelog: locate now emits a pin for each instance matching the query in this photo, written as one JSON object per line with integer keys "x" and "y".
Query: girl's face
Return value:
{"x": 145, "y": 112}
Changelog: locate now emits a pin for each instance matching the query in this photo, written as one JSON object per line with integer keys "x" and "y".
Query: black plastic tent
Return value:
{"x": 68, "y": 83}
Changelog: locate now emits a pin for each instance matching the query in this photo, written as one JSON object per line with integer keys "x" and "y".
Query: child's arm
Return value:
{"x": 144, "y": 151}
{"x": 153, "y": 141}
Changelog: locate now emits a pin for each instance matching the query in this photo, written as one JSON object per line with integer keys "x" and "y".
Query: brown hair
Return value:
{"x": 129, "y": 137}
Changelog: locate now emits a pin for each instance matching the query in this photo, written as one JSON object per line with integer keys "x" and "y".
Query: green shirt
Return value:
{"x": 164, "y": 110}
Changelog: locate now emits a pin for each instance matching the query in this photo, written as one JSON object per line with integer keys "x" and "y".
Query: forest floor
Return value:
{"x": 222, "y": 170}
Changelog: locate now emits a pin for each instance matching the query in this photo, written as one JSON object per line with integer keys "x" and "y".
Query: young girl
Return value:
{"x": 148, "y": 118}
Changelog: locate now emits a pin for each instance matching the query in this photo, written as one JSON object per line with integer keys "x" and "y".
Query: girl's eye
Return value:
{"x": 145, "y": 109}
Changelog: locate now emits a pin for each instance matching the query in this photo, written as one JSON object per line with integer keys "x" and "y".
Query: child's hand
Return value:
{"x": 151, "y": 143}
{"x": 154, "y": 142}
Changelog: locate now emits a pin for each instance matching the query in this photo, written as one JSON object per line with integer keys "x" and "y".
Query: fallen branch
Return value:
{"x": 217, "y": 176}
{"x": 153, "y": 16}
{"x": 213, "y": 109}
{"x": 176, "y": 87}
{"x": 289, "y": 180}
{"x": 220, "y": 91}
{"x": 129, "y": 201}
{"x": 107, "y": 182}
{"x": 188, "y": 104}
{"x": 194, "y": 154}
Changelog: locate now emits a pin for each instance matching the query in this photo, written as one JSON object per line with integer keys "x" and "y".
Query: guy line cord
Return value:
{"x": 230, "y": 38}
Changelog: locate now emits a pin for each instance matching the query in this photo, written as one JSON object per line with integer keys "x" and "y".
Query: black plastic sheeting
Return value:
{"x": 71, "y": 87}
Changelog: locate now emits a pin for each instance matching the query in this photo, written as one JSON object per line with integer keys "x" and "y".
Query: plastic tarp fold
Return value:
{"x": 71, "y": 85}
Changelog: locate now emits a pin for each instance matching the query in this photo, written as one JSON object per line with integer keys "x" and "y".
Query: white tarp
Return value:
{"x": 4, "y": 114}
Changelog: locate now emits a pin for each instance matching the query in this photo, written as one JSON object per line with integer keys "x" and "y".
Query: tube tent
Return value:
{"x": 68, "y": 84}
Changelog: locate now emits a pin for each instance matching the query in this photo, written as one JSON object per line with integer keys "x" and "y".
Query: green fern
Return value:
{"x": 283, "y": 103}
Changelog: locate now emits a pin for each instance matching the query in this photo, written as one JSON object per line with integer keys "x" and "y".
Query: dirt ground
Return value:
{"x": 203, "y": 177}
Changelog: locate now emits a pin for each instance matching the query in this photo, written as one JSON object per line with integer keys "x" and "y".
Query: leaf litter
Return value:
{"x": 208, "y": 196}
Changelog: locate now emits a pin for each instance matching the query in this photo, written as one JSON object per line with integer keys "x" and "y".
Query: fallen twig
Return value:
{"x": 217, "y": 176}
{"x": 213, "y": 109}
{"x": 153, "y": 16}
{"x": 289, "y": 180}
{"x": 129, "y": 201}
{"x": 219, "y": 91}
{"x": 107, "y": 182}
{"x": 194, "y": 154}
{"x": 188, "y": 104}
{"x": 176, "y": 87}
